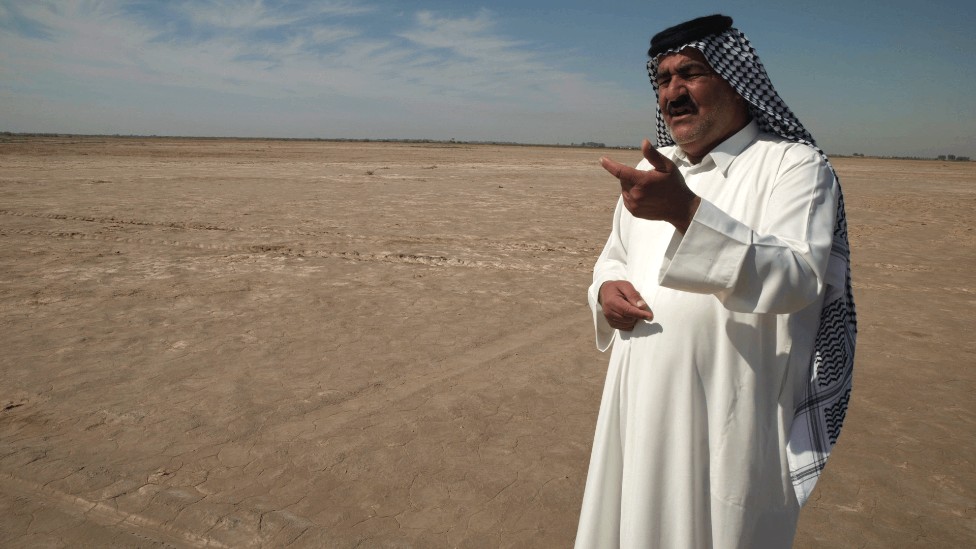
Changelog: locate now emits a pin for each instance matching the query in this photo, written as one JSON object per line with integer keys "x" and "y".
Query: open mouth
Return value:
{"x": 681, "y": 107}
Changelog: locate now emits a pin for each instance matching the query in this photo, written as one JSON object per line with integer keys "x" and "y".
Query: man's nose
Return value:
{"x": 675, "y": 89}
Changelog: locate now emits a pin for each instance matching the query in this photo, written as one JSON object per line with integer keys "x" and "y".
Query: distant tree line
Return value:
{"x": 6, "y": 136}
{"x": 949, "y": 157}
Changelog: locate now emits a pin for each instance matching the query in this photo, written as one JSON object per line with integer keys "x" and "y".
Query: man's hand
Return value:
{"x": 623, "y": 306}
{"x": 658, "y": 194}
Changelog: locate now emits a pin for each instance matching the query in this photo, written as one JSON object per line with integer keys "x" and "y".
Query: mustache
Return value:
{"x": 680, "y": 102}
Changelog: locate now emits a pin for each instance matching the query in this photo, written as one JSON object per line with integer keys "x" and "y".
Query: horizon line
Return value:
{"x": 581, "y": 145}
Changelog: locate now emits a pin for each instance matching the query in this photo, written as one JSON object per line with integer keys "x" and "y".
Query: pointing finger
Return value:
{"x": 611, "y": 166}
{"x": 658, "y": 160}
{"x": 624, "y": 173}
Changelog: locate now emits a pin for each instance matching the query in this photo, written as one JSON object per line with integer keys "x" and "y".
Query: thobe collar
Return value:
{"x": 725, "y": 152}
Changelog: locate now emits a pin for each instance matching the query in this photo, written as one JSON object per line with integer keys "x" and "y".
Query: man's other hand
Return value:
{"x": 623, "y": 305}
{"x": 659, "y": 194}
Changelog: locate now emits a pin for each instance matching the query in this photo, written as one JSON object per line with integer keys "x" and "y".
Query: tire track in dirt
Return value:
{"x": 103, "y": 514}
{"x": 366, "y": 403}
{"x": 478, "y": 242}
{"x": 375, "y": 399}
{"x": 116, "y": 220}
{"x": 532, "y": 265}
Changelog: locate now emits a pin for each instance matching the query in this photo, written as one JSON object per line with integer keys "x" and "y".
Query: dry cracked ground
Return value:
{"x": 244, "y": 343}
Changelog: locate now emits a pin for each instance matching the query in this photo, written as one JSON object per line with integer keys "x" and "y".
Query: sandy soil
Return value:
{"x": 270, "y": 343}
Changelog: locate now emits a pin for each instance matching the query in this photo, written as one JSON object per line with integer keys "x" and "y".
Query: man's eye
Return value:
{"x": 665, "y": 80}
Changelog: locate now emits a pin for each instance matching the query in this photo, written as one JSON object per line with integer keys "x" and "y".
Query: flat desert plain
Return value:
{"x": 242, "y": 343}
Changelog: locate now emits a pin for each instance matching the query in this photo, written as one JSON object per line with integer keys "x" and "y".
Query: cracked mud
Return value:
{"x": 244, "y": 343}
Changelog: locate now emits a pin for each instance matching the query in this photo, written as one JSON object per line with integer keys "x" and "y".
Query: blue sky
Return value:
{"x": 895, "y": 77}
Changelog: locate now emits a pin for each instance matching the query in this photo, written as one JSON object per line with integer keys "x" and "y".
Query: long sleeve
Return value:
{"x": 611, "y": 265}
{"x": 778, "y": 267}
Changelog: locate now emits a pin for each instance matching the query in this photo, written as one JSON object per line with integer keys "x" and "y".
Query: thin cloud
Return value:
{"x": 13, "y": 20}
{"x": 471, "y": 37}
{"x": 290, "y": 51}
{"x": 257, "y": 14}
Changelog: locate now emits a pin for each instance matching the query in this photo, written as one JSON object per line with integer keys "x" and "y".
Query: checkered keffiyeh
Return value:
{"x": 818, "y": 417}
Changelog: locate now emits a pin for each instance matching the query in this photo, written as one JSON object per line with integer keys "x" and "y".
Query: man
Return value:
{"x": 725, "y": 284}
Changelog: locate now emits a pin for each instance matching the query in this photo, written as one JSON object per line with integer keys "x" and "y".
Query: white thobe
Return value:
{"x": 690, "y": 444}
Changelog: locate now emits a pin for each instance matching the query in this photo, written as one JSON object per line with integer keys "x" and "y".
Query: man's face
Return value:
{"x": 700, "y": 108}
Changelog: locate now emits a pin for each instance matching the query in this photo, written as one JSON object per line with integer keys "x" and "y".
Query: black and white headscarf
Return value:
{"x": 818, "y": 417}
